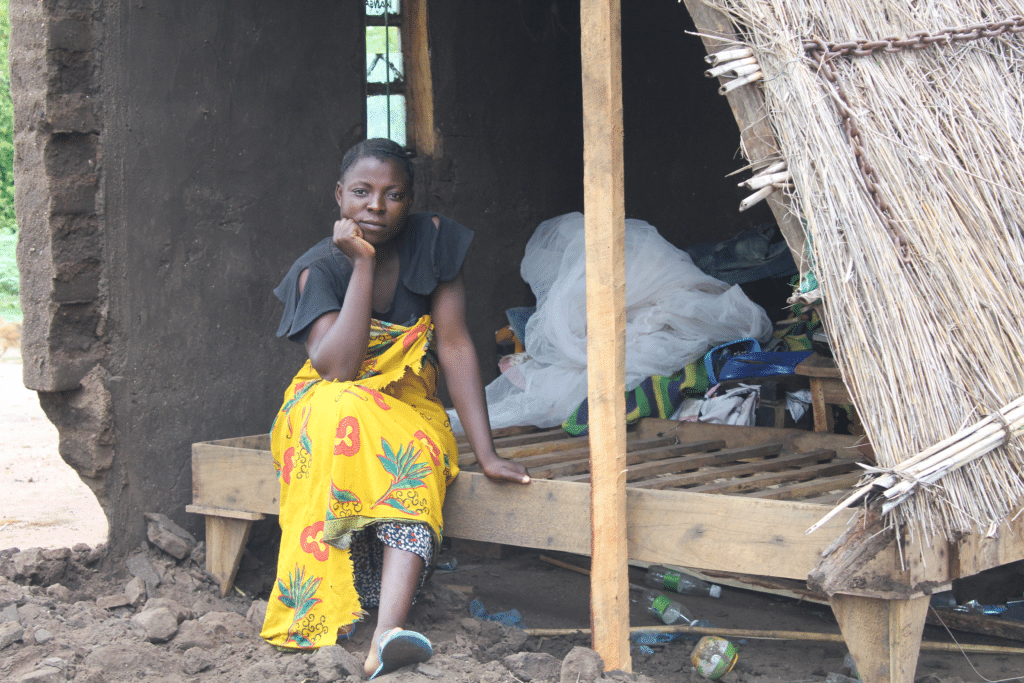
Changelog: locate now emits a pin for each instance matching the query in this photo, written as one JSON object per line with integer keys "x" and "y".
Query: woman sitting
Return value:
{"x": 363, "y": 447}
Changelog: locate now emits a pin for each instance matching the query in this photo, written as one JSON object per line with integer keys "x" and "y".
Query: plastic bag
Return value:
{"x": 674, "y": 313}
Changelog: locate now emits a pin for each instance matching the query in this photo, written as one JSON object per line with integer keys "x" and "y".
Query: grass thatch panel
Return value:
{"x": 924, "y": 300}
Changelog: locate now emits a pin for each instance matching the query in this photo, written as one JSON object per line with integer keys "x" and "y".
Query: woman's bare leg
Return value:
{"x": 400, "y": 576}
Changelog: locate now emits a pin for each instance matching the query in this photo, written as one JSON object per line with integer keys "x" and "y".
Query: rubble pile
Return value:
{"x": 77, "y": 615}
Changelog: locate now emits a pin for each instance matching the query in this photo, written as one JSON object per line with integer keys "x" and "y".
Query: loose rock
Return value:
{"x": 135, "y": 592}
{"x": 195, "y": 660}
{"x": 10, "y": 632}
{"x": 332, "y": 663}
{"x": 59, "y": 592}
{"x": 42, "y": 636}
{"x": 45, "y": 674}
{"x": 11, "y": 594}
{"x": 112, "y": 601}
{"x": 141, "y": 566}
{"x": 581, "y": 665}
{"x": 530, "y": 666}
{"x": 156, "y": 626}
{"x": 257, "y": 612}
{"x": 168, "y": 536}
{"x": 180, "y": 613}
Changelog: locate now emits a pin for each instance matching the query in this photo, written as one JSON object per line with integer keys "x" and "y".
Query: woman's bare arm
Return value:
{"x": 338, "y": 340}
{"x": 462, "y": 373}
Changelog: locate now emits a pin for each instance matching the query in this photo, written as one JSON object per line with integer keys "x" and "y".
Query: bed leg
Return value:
{"x": 225, "y": 541}
{"x": 884, "y": 636}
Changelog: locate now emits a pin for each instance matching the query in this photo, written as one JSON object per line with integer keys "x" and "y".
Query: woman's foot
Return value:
{"x": 372, "y": 662}
{"x": 398, "y": 648}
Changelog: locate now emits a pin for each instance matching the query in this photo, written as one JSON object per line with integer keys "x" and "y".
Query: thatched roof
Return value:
{"x": 923, "y": 279}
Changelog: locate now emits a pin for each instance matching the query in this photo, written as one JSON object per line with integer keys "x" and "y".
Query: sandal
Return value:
{"x": 398, "y": 648}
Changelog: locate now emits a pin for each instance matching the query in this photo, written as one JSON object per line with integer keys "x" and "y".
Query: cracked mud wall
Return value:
{"x": 174, "y": 158}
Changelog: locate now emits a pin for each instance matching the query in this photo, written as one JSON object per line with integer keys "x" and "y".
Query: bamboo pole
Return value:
{"x": 754, "y": 634}
{"x": 604, "y": 208}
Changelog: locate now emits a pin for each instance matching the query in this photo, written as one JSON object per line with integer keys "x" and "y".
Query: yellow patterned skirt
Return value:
{"x": 349, "y": 455}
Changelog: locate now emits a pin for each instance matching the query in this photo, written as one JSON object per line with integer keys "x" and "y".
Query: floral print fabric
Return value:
{"x": 351, "y": 455}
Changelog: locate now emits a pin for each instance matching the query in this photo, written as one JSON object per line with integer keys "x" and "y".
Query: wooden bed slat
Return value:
{"x": 810, "y": 488}
{"x": 570, "y": 448}
{"x": 633, "y": 457}
{"x": 507, "y": 432}
{"x": 692, "y": 462}
{"x": 759, "y": 481}
{"x": 545, "y": 459}
{"x": 712, "y": 473}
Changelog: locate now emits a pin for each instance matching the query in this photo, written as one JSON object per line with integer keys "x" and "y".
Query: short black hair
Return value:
{"x": 381, "y": 149}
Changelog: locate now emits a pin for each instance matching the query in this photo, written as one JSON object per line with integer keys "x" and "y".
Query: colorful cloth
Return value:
{"x": 656, "y": 396}
{"x": 796, "y": 336}
{"x": 351, "y": 455}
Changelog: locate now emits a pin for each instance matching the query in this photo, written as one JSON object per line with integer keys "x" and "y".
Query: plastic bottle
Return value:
{"x": 665, "y": 608}
{"x": 666, "y": 579}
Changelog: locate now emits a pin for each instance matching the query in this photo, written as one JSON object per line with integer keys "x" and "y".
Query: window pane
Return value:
{"x": 382, "y": 110}
{"x": 383, "y": 54}
{"x": 376, "y": 8}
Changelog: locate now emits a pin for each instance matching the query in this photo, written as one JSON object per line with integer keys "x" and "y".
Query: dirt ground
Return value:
{"x": 44, "y": 503}
{"x": 69, "y": 613}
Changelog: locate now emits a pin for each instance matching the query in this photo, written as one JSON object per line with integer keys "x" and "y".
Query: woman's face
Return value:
{"x": 376, "y": 195}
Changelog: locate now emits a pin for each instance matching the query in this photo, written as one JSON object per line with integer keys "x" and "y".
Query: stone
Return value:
{"x": 168, "y": 536}
{"x": 88, "y": 675}
{"x": 59, "y": 592}
{"x": 112, "y": 601}
{"x": 10, "y": 632}
{"x": 39, "y": 566}
{"x": 296, "y": 669}
{"x": 529, "y": 666}
{"x": 113, "y": 659}
{"x": 581, "y": 665}
{"x": 42, "y": 636}
{"x": 31, "y": 611}
{"x": 141, "y": 566}
{"x": 96, "y": 554}
{"x": 9, "y": 613}
{"x": 207, "y": 603}
{"x": 180, "y": 613}
{"x": 333, "y": 662}
{"x": 55, "y": 662}
{"x": 429, "y": 670}
{"x": 193, "y": 634}
{"x": 470, "y": 625}
{"x": 195, "y": 660}
{"x": 226, "y": 622}
{"x": 11, "y": 594}
{"x": 156, "y": 626}
{"x": 135, "y": 592}
{"x": 44, "y": 674}
{"x": 257, "y": 612}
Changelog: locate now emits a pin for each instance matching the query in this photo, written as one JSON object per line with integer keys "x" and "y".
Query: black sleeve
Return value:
{"x": 437, "y": 252}
{"x": 324, "y": 292}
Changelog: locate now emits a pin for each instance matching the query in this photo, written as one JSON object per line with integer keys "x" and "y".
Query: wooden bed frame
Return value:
{"x": 711, "y": 497}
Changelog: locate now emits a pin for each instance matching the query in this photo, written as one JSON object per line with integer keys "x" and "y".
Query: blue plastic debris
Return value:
{"x": 510, "y": 618}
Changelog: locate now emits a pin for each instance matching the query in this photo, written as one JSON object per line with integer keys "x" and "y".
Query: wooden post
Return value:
{"x": 420, "y": 95}
{"x": 884, "y": 636}
{"x": 604, "y": 207}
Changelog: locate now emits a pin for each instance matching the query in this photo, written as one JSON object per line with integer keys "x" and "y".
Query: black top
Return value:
{"x": 427, "y": 255}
